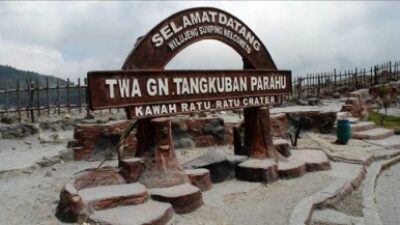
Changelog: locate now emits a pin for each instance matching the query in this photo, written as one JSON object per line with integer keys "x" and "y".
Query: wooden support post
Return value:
{"x": 335, "y": 79}
{"x": 318, "y": 84}
{"x": 48, "y": 95}
{"x": 257, "y": 137}
{"x": 68, "y": 96}
{"x": 58, "y": 97}
{"x": 6, "y": 99}
{"x": 79, "y": 96}
{"x": 38, "y": 96}
{"x": 18, "y": 102}
{"x": 30, "y": 111}
{"x": 364, "y": 78}
{"x": 355, "y": 79}
{"x": 155, "y": 146}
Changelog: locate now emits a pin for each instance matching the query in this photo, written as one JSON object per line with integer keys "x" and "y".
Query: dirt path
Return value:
{"x": 388, "y": 195}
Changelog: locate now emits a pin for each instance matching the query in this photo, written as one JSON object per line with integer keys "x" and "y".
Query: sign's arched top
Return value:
{"x": 168, "y": 38}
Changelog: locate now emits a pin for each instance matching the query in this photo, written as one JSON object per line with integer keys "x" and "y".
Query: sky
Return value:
{"x": 68, "y": 39}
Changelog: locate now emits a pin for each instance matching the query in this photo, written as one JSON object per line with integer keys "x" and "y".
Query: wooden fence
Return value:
{"x": 328, "y": 83}
{"x": 39, "y": 100}
{"x": 34, "y": 99}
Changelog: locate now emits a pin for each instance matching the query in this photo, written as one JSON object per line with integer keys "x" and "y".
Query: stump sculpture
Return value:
{"x": 154, "y": 185}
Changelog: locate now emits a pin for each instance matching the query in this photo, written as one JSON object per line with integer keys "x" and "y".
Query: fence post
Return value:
{"x": 390, "y": 70}
{"x": 375, "y": 75}
{"x": 18, "y": 104}
{"x": 79, "y": 95}
{"x": 68, "y": 97}
{"x": 335, "y": 79}
{"x": 58, "y": 96}
{"x": 48, "y": 95}
{"x": 319, "y": 83}
{"x": 6, "y": 99}
{"x": 87, "y": 99}
{"x": 364, "y": 78}
{"x": 38, "y": 96}
{"x": 355, "y": 79}
{"x": 29, "y": 84}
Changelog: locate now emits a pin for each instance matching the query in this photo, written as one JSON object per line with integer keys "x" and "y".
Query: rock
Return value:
{"x": 9, "y": 119}
{"x": 216, "y": 128}
{"x": 302, "y": 102}
{"x": 56, "y": 138}
{"x": 67, "y": 116}
{"x": 216, "y": 162}
{"x": 18, "y": 130}
{"x": 47, "y": 162}
{"x": 279, "y": 124}
{"x": 336, "y": 95}
{"x": 203, "y": 114}
{"x": 48, "y": 174}
{"x": 322, "y": 122}
{"x": 67, "y": 154}
{"x": 184, "y": 143}
{"x": 314, "y": 101}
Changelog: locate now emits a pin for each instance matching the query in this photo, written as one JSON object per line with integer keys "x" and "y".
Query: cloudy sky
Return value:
{"x": 67, "y": 39}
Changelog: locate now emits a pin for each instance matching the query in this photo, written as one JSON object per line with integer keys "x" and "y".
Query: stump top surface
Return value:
{"x": 280, "y": 141}
{"x": 175, "y": 191}
{"x": 132, "y": 160}
{"x": 199, "y": 171}
{"x": 146, "y": 213}
{"x": 111, "y": 191}
{"x": 290, "y": 164}
{"x": 258, "y": 163}
{"x": 310, "y": 156}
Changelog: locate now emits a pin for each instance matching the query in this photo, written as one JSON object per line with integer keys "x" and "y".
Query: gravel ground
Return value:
{"x": 30, "y": 197}
{"x": 244, "y": 203}
{"x": 387, "y": 195}
{"x": 351, "y": 205}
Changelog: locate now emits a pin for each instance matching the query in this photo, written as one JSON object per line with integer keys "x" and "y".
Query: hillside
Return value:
{"x": 8, "y": 79}
{"x": 9, "y": 76}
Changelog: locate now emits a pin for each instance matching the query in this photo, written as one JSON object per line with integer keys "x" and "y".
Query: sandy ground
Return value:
{"x": 30, "y": 193}
{"x": 22, "y": 153}
{"x": 388, "y": 195}
{"x": 30, "y": 197}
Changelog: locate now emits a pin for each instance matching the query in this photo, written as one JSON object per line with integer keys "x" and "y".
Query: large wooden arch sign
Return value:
{"x": 146, "y": 90}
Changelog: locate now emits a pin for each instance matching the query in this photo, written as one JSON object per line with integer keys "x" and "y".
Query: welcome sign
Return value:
{"x": 198, "y": 23}
{"x": 165, "y": 92}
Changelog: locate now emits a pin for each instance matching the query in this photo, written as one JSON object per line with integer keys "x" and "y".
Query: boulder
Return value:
{"x": 279, "y": 124}
{"x": 221, "y": 166}
{"x": 318, "y": 121}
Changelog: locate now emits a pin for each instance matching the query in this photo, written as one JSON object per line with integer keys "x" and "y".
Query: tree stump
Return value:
{"x": 157, "y": 150}
{"x": 257, "y": 137}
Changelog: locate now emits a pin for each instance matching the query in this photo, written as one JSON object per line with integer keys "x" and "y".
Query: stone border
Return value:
{"x": 368, "y": 191}
{"x": 302, "y": 213}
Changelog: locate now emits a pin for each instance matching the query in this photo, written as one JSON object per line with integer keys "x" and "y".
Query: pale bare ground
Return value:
{"x": 30, "y": 196}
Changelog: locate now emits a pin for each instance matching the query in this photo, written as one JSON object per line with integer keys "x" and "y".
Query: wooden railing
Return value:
{"x": 36, "y": 100}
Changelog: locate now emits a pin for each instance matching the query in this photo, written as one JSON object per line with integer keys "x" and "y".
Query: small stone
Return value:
{"x": 48, "y": 174}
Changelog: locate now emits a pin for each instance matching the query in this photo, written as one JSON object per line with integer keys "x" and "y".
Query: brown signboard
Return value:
{"x": 166, "y": 92}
